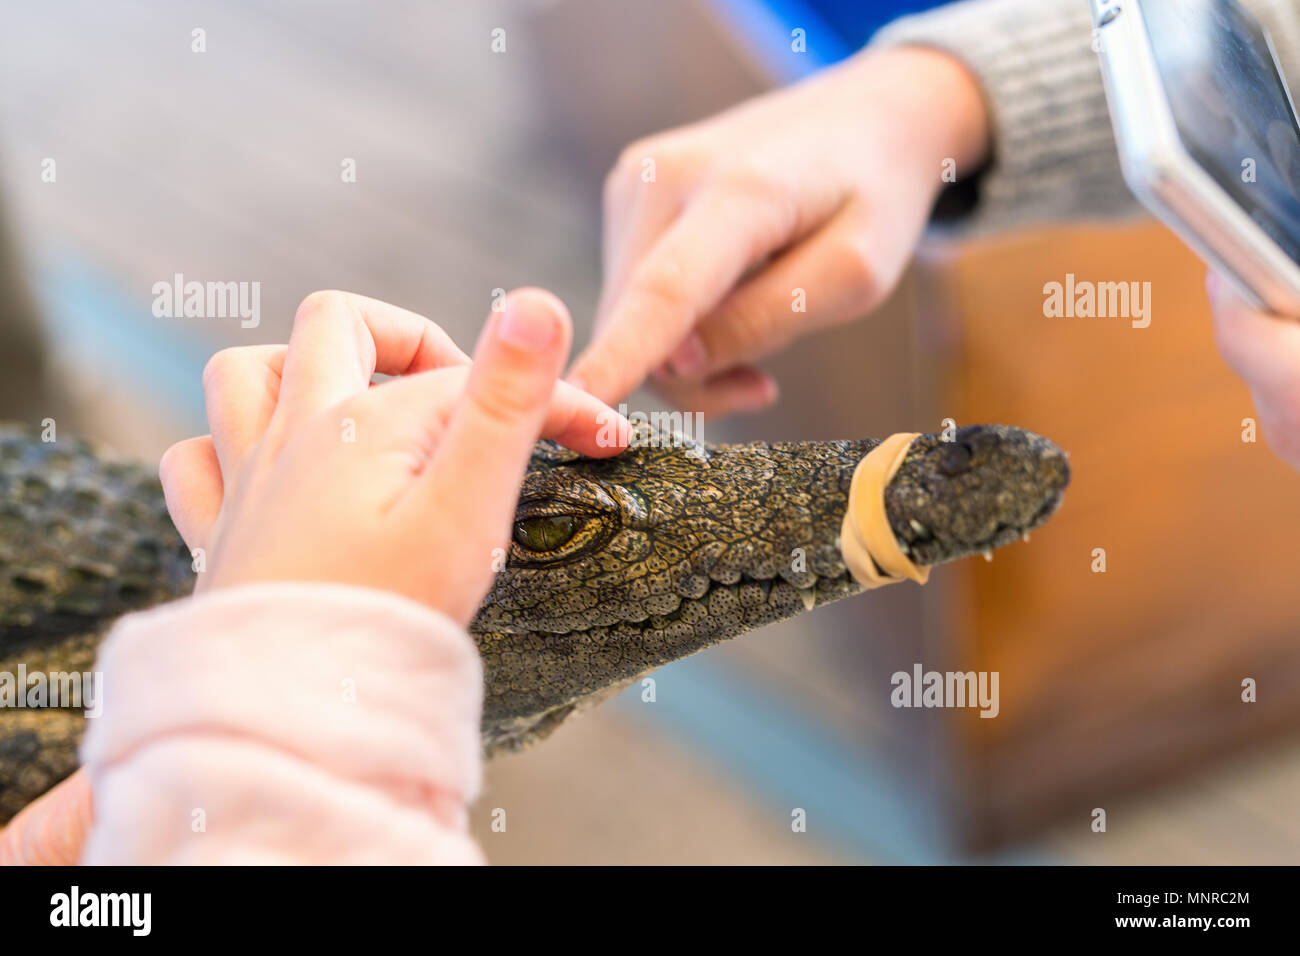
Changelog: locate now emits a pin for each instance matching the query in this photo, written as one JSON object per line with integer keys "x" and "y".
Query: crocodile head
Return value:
{"x": 617, "y": 566}
{"x": 621, "y": 565}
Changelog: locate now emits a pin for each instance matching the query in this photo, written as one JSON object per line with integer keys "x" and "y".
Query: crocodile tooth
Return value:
{"x": 1025, "y": 537}
{"x": 809, "y": 596}
{"x": 988, "y": 555}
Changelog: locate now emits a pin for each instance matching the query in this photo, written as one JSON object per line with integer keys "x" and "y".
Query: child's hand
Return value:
{"x": 711, "y": 228}
{"x": 1265, "y": 351}
{"x": 50, "y": 831}
{"x": 312, "y": 474}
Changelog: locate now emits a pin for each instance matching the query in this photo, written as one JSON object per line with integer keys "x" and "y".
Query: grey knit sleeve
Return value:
{"x": 1053, "y": 150}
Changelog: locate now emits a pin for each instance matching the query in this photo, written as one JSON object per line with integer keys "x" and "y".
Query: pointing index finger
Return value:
{"x": 685, "y": 274}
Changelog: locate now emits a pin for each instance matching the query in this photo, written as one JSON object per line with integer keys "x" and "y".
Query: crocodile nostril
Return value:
{"x": 956, "y": 459}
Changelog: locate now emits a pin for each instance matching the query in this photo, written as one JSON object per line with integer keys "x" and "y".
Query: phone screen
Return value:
{"x": 1231, "y": 107}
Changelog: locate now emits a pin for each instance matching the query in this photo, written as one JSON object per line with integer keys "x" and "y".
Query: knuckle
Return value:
{"x": 749, "y": 182}
{"x": 777, "y": 210}
{"x": 175, "y": 456}
{"x": 629, "y": 157}
{"x": 317, "y": 304}
{"x": 859, "y": 275}
{"x": 218, "y": 368}
{"x": 499, "y": 411}
{"x": 502, "y": 402}
{"x": 627, "y": 168}
{"x": 360, "y": 407}
{"x": 167, "y": 464}
{"x": 672, "y": 165}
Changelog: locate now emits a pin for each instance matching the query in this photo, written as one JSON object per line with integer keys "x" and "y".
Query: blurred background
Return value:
{"x": 478, "y": 170}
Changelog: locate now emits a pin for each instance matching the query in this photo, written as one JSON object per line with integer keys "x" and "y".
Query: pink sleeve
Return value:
{"x": 285, "y": 723}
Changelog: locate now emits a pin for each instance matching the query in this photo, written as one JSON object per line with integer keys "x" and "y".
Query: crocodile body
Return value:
{"x": 617, "y": 566}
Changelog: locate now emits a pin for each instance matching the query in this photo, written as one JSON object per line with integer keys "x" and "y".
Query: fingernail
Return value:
{"x": 689, "y": 358}
{"x": 762, "y": 398}
{"x": 1212, "y": 284}
{"x": 528, "y": 328}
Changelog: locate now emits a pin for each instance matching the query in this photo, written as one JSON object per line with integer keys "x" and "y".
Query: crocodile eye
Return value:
{"x": 551, "y": 531}
{"x": 545, "y": 532}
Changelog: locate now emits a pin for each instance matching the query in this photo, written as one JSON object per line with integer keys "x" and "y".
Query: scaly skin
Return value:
{"x": 617, "y": 567}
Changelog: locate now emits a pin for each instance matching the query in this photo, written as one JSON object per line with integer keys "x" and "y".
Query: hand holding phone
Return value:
{"x": 1207, "y": 135}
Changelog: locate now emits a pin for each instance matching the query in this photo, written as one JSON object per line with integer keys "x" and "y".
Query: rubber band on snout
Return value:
{"x": 867, "y": 543}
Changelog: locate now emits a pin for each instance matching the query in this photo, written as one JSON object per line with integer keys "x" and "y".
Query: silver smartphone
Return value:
{"x": 1207, "y": 135}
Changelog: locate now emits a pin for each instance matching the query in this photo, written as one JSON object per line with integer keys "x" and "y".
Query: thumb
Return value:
{"x": 473, "y": 479}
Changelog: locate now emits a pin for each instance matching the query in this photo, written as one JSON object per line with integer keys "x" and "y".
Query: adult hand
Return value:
{"x": 1264, "y": 350}
{"x": 710, "y": 229}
